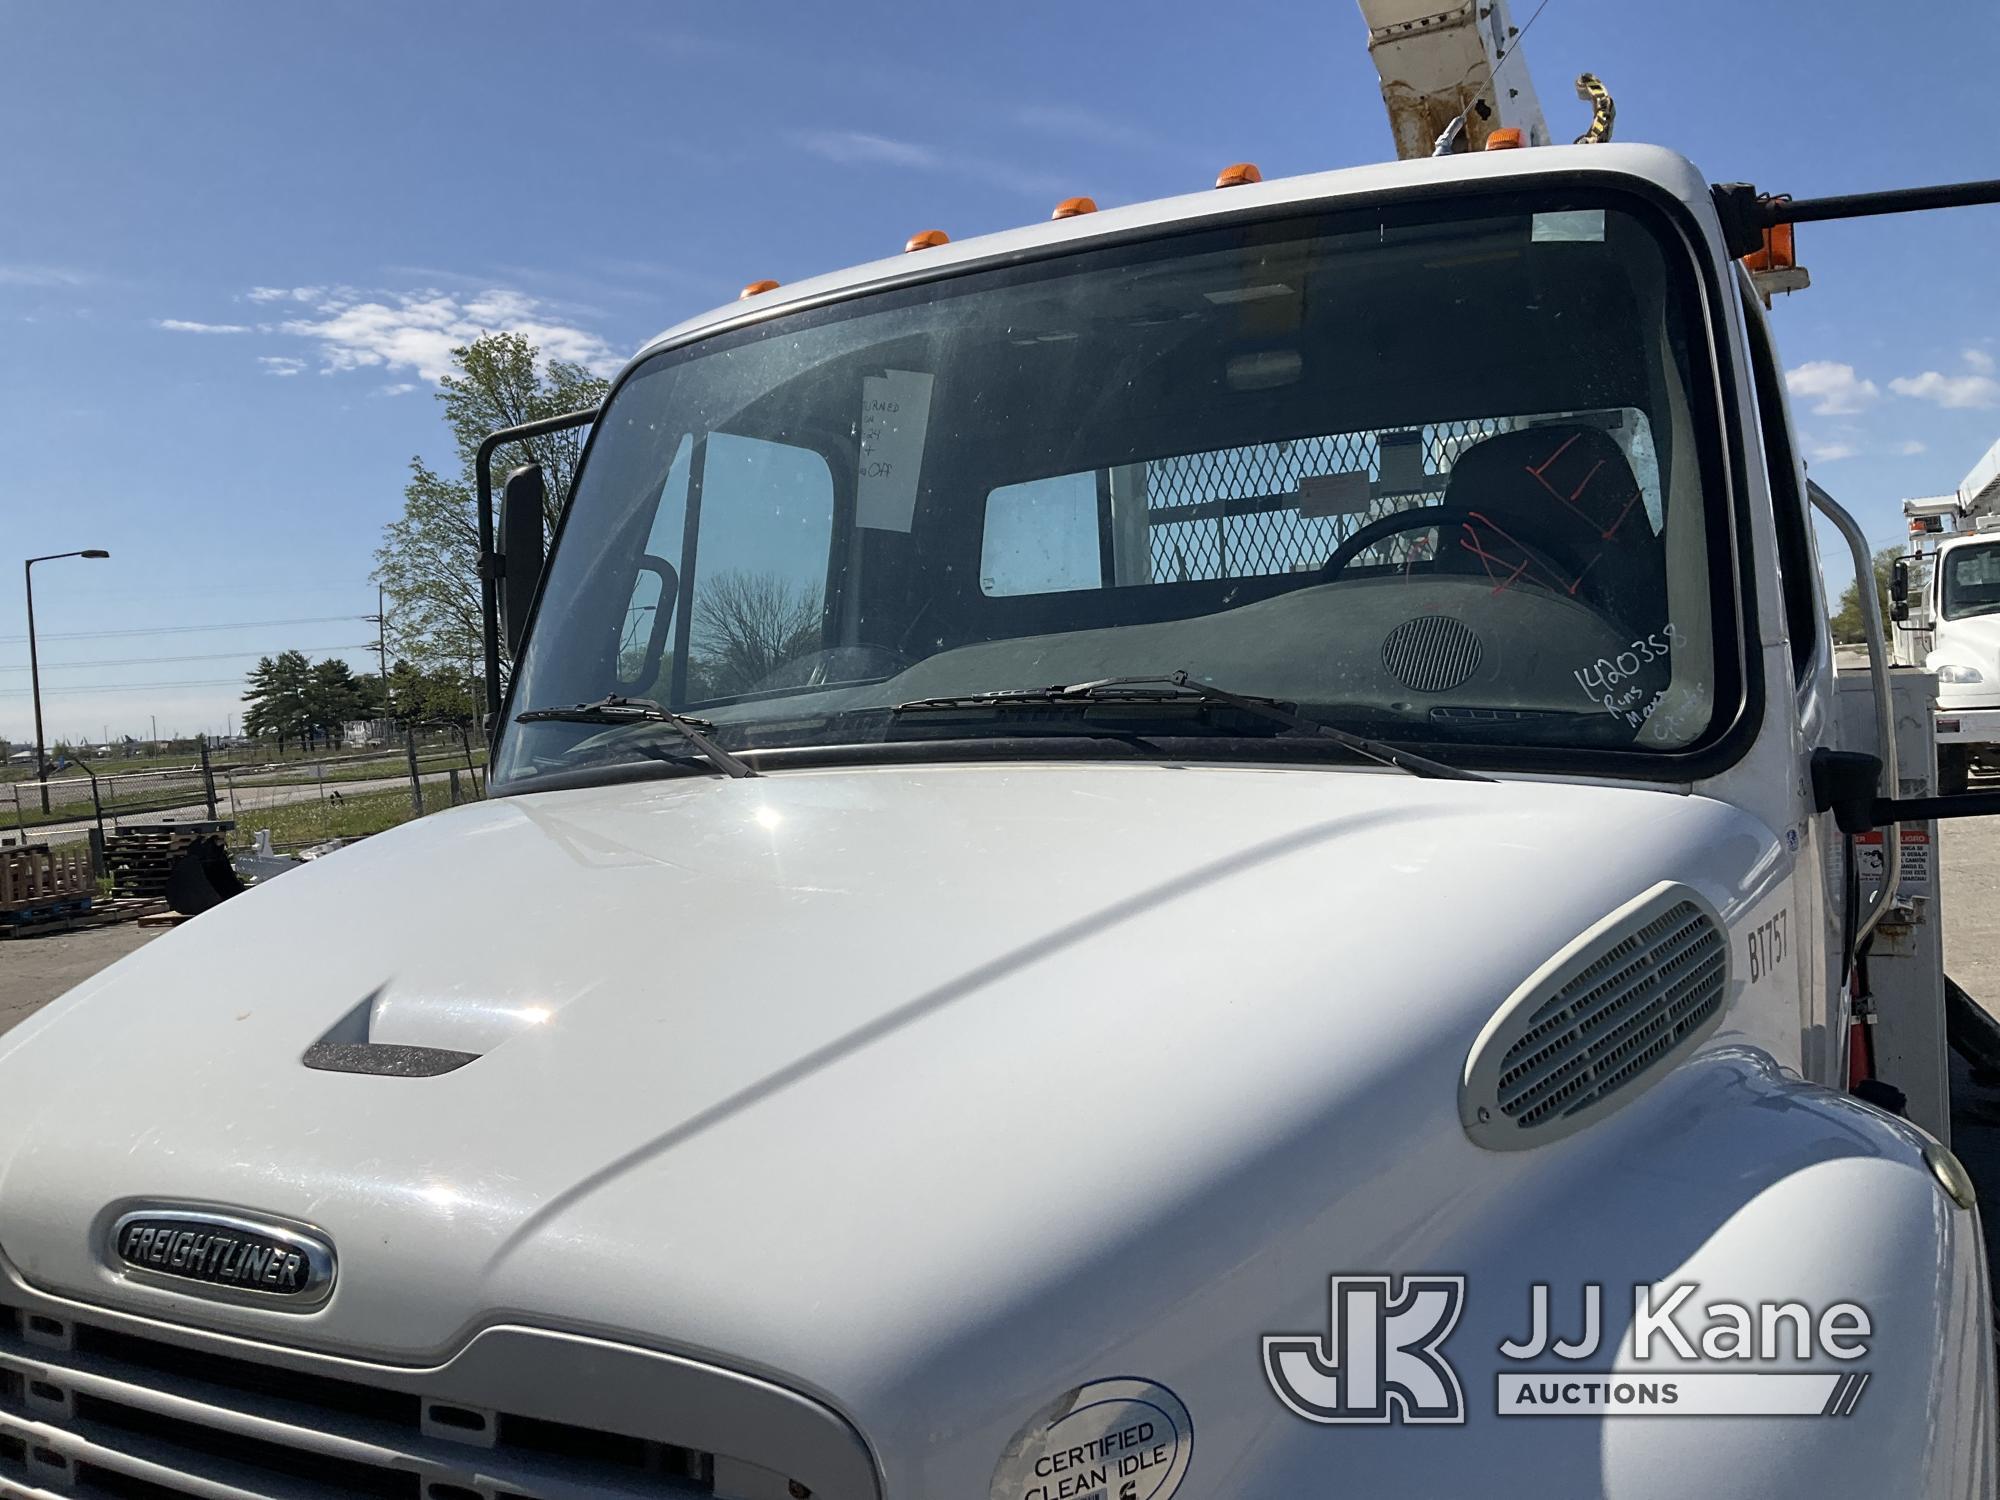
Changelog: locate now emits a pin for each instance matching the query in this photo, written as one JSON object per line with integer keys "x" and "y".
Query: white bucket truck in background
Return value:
{"x": 1944, "y": 598}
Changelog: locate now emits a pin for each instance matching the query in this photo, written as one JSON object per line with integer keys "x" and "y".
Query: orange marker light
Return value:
{"x": 755, "y": 288}
{"x": 1506, "y": 138}
{"x": 1236, "y": 176}
{"x": 930, "y": 239}
{"x": 1779, "y": 252}
{"x": 1069, "y": 208}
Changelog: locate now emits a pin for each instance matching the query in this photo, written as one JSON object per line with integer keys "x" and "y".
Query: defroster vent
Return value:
{"x": 1602, "y": 1019}
{"x": 1431, "y": 654}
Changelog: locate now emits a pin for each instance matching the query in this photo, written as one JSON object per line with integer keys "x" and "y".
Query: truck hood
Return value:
{"x": 765, "y": 1067}
{"x": 1974, "y": 642}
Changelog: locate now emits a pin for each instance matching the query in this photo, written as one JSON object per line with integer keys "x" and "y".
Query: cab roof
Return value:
{"x": 1655, "y": 165}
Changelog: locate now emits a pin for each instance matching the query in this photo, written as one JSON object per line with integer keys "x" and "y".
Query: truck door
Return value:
{"x": 1817, "y": 846}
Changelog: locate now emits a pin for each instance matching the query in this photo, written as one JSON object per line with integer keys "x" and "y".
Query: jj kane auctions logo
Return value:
{"x": 1382, "y": 1358}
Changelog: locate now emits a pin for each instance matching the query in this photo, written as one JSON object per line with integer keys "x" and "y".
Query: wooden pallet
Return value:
{"x": 139, "y": 858}
{"x": 37, "y": 877}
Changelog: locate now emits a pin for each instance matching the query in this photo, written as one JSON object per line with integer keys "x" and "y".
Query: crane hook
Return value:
{"x": 1590, "y": 88}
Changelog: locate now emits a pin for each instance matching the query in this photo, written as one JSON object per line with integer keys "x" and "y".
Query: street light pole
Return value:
{"x": 34, "y": 661}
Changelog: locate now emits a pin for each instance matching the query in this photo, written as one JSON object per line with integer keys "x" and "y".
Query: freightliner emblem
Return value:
{"x": 226, "y": 1253}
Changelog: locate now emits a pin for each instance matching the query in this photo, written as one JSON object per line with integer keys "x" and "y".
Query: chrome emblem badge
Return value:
{"x": 225, "y": 1254}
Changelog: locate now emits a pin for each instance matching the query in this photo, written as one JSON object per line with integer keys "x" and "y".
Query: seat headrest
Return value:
{"x": 1573, "y": 478}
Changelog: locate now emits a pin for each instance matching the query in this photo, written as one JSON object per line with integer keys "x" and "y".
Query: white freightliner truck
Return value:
{"x": 1945, "y": 603}
{"x": 1300, "y": 797}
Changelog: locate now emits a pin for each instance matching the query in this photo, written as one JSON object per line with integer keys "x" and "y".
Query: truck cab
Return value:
{"x": 1945, "y": 600}
{"x": 1059, "y": 797}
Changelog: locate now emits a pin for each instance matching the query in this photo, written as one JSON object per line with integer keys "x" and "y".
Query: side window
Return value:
{"x": 1796, "y": 561}
{"x": 750, "y": 580}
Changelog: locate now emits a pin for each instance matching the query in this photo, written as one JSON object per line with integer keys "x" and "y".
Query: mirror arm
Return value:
{"x": 1887, "y": 810}
{"x": 1886, "y": 772}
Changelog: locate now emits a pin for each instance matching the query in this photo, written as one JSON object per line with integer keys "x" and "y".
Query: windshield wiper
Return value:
{"x": 1180, "y": 687}
{"x": 619, "y": 711}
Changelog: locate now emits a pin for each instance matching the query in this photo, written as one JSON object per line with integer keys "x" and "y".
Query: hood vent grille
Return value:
{"x": 1603, "y": 1018}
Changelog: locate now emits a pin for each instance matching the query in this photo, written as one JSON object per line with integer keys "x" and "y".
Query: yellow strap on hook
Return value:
{"x": 1591, "y": 90}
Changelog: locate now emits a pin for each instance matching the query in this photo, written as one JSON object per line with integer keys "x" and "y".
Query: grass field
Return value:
{"x": 390, "y": 763}
{"x": 260, "y": 758}
{"x": 350, "y": 817}
{"x": 135, "y": 798}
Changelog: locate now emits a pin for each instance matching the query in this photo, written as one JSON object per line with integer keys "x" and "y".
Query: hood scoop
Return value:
{"x": 1598, "y": 1023}
{"x": 384, "y": 1059}
{"x": 419, "y": 1035}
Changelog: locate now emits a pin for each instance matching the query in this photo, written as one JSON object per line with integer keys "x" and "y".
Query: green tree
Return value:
{"x": 428, "y": 563}
{"x": 335, "y": 698}
{"x": 1846, "y": 621}
{"x": 448, "y": 694}
{"x": 303, "y": 702}
{"x": 276, "y": 698}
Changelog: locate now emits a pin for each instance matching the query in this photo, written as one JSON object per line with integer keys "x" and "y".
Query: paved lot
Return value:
{"x": 1970, "y": 860}
{"x": 33, "y": 971}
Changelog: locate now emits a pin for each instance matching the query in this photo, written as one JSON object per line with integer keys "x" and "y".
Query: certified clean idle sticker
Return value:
{"x": 1110, "y": 1440}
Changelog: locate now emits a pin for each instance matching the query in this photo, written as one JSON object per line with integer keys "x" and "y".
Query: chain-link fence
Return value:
{"x": 1244, "y": 513}
{"x": 434, "y": 766}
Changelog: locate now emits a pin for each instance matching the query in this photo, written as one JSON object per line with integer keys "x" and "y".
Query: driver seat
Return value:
{"x": 1569, "y": 488}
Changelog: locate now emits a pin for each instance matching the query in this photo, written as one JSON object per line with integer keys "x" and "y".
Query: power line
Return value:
{"x": 148, "y": 661}
{"x": 132, "y": 687}
{"x": 105, "y": 635}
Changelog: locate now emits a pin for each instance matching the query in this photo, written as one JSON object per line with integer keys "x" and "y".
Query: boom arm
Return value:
{"x": 1438, "y": 66}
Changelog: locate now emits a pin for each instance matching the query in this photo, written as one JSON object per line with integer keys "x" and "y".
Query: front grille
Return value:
{"x": 1613, "y": 1021}
{"x": 86, "y": 1411}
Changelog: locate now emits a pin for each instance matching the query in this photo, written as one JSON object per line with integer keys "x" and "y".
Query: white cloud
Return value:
{"x": 1911, "y": 447}
{"x": 400, "y": 388}
{"x": 417, "y": 331}
{"x": 286, "y": 294}
{"x": 1083, "y": 125}
{"x": 1834, "y": 389}
{"x": 1830, "y": 452}
{"x": 43, "y": 276}
{"x": 1980, "y": 360}
{"x": 182, "y": 325}
{"x": 858, "y": 148}
{"x": 1949, "y": 390}
{"x": 280, "y": 364}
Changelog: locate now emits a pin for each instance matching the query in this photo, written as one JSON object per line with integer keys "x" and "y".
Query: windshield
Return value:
{"x": 1972, "y": 581}
{"x": 1435, "y": 475}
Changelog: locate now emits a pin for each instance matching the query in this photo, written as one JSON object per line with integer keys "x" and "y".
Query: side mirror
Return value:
{"x": 1846, "y": 782}
{"x": 1899, "y": 590}
{"x": 520, "y": 550}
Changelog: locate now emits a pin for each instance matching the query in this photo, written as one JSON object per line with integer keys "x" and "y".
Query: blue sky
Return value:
{"x": 238, "y": 238}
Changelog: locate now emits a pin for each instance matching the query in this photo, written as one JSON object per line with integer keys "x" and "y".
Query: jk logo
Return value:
{"x": 1380, "y": 1360}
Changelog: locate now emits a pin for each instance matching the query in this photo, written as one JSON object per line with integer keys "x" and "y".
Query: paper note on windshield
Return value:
{"x": 895, "y": 414}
